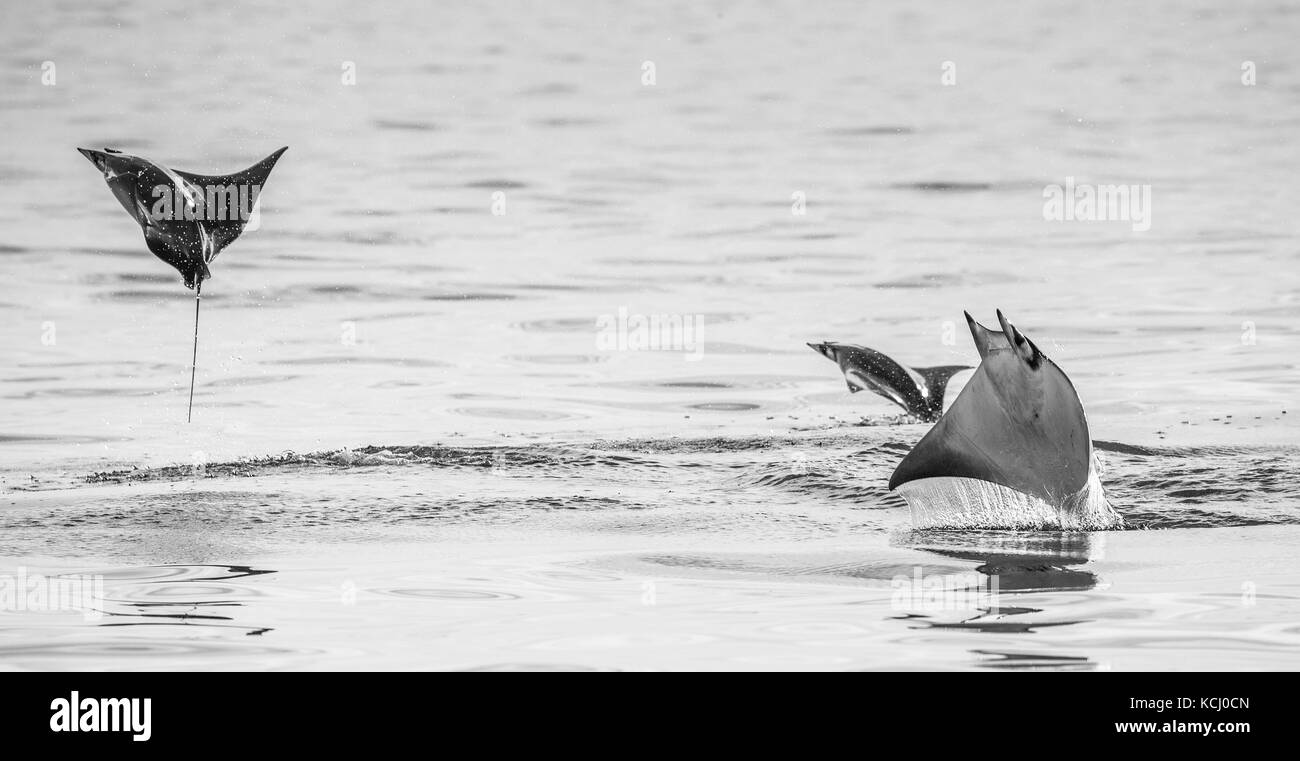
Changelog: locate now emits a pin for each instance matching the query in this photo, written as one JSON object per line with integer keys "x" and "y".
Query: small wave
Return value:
{"x": 523, "y": 457}
{"x": 944, "y": 186}
{"x": 512, "y": 413}
{"x": 871, "y": 131}
{"x": 358, "y": 359}
{"x": 1190, "y": 452}
{"x": 406, "y": 126}
{"x": 559, "y": 359}
{"x": 1150, "y": 487}
{"x": 497, "y": 184}
{"x": 469, "y": 296}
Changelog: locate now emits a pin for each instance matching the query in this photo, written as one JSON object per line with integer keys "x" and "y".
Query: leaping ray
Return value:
{"x": 919, "y": 390}
{"x": 187, "y": 218}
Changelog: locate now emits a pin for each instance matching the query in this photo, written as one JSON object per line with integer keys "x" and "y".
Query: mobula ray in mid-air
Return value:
{"x": 187, "y": 218}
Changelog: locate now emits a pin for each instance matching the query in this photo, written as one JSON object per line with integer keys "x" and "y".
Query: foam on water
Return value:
{"x": 971, "y": 503}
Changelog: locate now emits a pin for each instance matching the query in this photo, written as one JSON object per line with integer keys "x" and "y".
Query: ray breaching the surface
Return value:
{"x": 1011, "y": 451}
{"x": 187, "y": 218}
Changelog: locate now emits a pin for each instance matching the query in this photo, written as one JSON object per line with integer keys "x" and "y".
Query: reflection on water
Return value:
{"x": 999, "y": 620}
{"x": 991, "y": 659}
{"x": 1011, "y": 565}
{"x": 178, "y": 596}
{"x": 485, "y": 601}
{"x": 146, "y": 615}
{"x": 1020, "y": 562}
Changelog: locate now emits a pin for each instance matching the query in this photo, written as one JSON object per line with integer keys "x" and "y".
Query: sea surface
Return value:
{"x": 418, "y": 443}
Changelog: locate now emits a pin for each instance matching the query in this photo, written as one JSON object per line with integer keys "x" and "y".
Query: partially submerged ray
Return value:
{"x": 919, "y": 390}
{"x": 1013, "y": 450}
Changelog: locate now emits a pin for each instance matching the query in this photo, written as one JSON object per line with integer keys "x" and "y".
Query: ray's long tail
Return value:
{"x": 194, "y": 362}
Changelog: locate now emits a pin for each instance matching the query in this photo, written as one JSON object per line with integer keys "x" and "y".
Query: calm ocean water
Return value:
{"x": 413, "y": 447}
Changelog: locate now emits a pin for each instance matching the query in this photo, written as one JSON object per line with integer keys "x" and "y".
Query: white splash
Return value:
{"x": 970, "y": 503}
